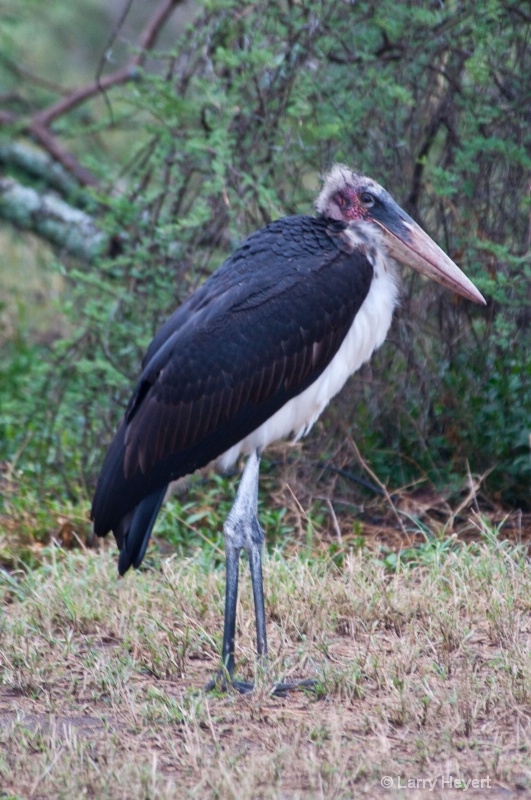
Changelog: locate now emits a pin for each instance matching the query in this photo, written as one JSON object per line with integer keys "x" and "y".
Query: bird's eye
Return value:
{"x": 367, "y": 199}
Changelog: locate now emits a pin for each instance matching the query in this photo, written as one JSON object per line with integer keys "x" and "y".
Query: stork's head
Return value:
{"x": 353, "y": 198}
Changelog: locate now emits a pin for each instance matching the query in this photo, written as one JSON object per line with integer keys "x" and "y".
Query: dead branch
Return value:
{"x": 39, "y": 125}
{"x": 52, "y": 219}
{"x": 37, "y": 163}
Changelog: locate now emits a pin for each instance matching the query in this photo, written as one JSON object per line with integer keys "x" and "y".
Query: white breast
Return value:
{"x": 366, "y": 333}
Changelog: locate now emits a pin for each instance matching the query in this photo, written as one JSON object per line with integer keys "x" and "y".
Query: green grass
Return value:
{"x": 423, "y": 670}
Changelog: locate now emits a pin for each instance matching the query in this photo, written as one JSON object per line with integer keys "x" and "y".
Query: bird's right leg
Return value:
{"x": 232, "y": 566}
{"x": 242, "y": 531}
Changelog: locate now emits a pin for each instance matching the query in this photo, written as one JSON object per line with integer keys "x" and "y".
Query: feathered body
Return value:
{"x": 257, "y": 352}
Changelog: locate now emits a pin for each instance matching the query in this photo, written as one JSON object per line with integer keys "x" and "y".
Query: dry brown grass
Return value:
{"x": 424, "y": 674}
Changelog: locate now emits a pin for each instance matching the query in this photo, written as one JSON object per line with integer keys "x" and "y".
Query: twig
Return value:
{"x": 148, "y": 38}
{"x": 39, "y": 124}
{"x": 473, "y": 486}
{"x": 52, "y": 146}
{"x": 378, "y": 482}
{"x": 334, "y": 521}
{"x": 21, "y": 72}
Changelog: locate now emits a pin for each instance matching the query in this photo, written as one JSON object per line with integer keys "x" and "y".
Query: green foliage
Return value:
{"x": 229, "y": 129}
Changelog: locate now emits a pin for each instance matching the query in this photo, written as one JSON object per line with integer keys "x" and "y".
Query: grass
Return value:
{"x": 423, "y": 670}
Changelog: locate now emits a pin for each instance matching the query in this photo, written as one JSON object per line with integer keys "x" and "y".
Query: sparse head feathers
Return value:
{"x": 341, "y": 188}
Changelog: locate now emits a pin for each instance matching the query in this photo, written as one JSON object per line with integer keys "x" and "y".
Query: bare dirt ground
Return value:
{"x": 423, "y": 679}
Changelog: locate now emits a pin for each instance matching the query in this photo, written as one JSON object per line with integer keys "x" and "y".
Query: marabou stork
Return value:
{"x": 254, "y": 355}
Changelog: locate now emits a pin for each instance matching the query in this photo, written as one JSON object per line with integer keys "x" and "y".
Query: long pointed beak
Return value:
{"x": 409, "y": 244}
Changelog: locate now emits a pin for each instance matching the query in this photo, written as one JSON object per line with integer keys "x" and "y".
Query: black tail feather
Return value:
{"x": 136, "y": 531}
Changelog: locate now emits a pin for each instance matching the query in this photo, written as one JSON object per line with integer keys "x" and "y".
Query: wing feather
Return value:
{"x": 256, "y": 334}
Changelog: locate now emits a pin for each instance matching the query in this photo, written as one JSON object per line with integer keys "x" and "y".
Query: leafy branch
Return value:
{"x": 39, "y": 125}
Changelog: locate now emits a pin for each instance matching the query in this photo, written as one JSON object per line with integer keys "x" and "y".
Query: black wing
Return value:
{"x": 256, "y": 334}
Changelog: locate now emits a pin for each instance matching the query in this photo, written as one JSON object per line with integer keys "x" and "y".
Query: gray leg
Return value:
{"x": 255, "y": 563}
{"x": 242, "y": 531}
{"x": 232, "y": 559}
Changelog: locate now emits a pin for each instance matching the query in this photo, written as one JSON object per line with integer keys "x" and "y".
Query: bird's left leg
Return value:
{"x": 242, "y": 531}
{"x": 253, "y": 544}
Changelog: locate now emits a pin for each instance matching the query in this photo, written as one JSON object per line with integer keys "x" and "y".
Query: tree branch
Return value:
{"x": 440, "y": 117}
{"x": 52, "y": 219}
{"x": 39, "y": 124}
{"x": 52, "y": 145}
{"x": 39, "y": 164}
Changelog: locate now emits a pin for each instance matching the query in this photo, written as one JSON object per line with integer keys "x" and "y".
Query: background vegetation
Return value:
{"x": 218, "y": 127}
{"x": 139, "y": 143}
